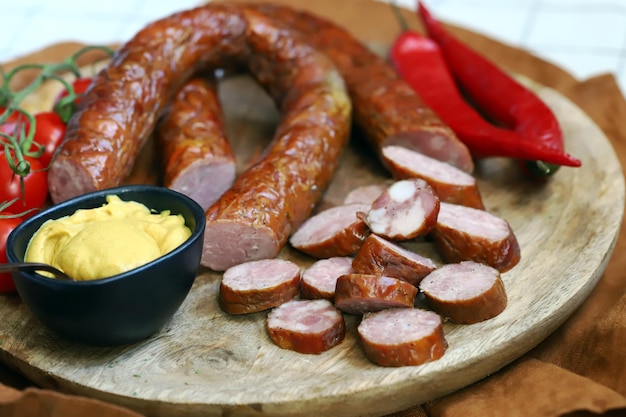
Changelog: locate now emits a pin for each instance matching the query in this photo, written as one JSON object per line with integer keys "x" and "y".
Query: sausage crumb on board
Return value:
{"x": 258, "y": 285}
{"x": 306, "y": 326}
{"x": 402, "y": 337}
{"x": 467, "y": 292}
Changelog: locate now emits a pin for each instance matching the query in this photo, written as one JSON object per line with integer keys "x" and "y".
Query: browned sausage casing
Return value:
{"x": 196, "y": 156}
{"x": 386, "y": 108}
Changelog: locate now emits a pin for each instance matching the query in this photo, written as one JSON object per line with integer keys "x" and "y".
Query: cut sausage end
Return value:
{"x": 402, "y": 337}
{"x": 229, "y": 243}
{"x": 67, "y": 178}
{"x": 306, "y": 326}
{"x": 437, "y": 144}
{"x": 193, "y": 181}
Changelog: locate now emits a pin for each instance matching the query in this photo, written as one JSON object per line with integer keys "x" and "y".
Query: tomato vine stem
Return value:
{"x": 18, "y": 144}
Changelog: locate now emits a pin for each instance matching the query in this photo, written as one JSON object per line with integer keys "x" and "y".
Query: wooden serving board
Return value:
{"x": 206, "y": 363}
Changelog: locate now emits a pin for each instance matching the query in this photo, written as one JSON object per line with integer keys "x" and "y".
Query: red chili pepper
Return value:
{"x": 420, "y": 62}
{"x": 500, "y": 96}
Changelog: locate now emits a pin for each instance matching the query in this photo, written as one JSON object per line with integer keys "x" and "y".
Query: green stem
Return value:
{"x": 19, "y": 146}
{"x": 398, "y": 13}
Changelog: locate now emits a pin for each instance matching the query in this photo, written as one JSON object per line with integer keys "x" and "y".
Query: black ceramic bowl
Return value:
{"x": 124, "y": 308}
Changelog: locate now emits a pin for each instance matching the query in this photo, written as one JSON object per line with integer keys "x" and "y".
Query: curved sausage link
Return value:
{"x": 254, "y": 218}
{"x": 192, "y": 141}
{"x": 385, "y": 107}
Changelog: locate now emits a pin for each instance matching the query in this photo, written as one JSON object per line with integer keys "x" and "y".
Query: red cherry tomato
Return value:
{"x": 7, "y": 224}
{"x": 66, "y": 108}
{"x": 49, "y": 133}
{"x": 79, "y": 85}
{"x": 10, "y": 126}
{"x": 35, "y": 186}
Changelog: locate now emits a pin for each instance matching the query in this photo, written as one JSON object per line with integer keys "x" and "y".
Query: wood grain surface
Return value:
{"x": 206, "y": 363}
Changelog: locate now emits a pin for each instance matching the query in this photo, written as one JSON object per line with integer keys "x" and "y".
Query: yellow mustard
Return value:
{"x": 107, "y": 240}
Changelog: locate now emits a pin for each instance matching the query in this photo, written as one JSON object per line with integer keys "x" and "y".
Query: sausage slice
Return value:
{"x": 319, "y": 280}
{"x": 379, "y": 256}
{"x": 468, "y": 234}
{"x": 258, "y": 285}
{"x": 306, "y": 326}
{"x": 451, "y": 184}
{"x": 365, "y": 194}
{"x": 467, "y": 292}
{"x": 402, "y": 337}
{"x": 337, "y": 231}
{"x": 363, "y": 293}
{"x": 405, "y": 210}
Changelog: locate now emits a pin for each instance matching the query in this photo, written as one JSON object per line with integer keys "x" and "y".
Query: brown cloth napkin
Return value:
{"x": 580, "y": 370}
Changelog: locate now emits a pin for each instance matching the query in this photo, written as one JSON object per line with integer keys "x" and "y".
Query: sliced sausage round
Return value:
{"x": 365, "y": 194}
{"x": 379, "y": 256}
{"x": 466, "y": 292}
{"x": 451, "y": 184}
{"x": 337, "y": 231}
{"x": 362, "y": 293}
{"x": 402, "y": 337}
{"x": 405, "y": 210}
{"x": 255, "y": 286}
{"x": 468, "y": 234}
{"x": 319, "y": 280}
{"x": 306, "y": 326}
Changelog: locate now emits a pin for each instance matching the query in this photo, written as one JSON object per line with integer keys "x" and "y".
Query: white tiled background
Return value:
{"x": 585, "y": 37}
